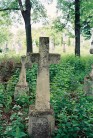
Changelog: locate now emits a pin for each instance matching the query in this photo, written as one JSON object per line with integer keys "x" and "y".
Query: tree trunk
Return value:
{"x": 28, "y": 37}
{"x": 77, "y": 27}
{"x": 26, "y": 17}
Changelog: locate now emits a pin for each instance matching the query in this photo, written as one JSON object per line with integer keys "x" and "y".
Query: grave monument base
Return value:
{"x": 41, "y": 123}
{"x": 20, "y": 91}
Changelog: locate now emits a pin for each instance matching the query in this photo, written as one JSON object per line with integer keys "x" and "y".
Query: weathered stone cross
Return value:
{"x": 44, "y": 59}
{"x": 22, "y": 86}
{"x": 22, "y": 77}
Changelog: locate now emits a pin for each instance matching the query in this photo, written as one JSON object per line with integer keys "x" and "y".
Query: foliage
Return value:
{"x": 4, "y": 28}
{"x": 70, "y": 72}
{"x": 74, "y": 115}
{"x": 67, "y": 12}
{"x": 73, "y": 110}
{"x": 86, "y": 18}
{"x": 12, "y": 116}
{"x": 38, "y": 11}
{"x": 11, "y": 11}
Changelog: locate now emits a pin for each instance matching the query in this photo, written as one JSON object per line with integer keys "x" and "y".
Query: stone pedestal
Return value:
{"x": 41, "y": 123}
{"x": 20, "y": 91}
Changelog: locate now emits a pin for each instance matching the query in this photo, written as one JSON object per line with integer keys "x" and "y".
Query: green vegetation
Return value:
{"x": 73, "y": 110}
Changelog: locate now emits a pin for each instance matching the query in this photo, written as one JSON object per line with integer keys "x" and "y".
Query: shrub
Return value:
{"x": 74, "y": 115}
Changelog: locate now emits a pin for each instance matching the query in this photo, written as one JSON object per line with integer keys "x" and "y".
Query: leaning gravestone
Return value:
{"x": 41, "y": 116}
{"x": 22, "y": 86}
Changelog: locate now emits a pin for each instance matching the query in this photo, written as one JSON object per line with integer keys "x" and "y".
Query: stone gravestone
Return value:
{"x": 41, "y": 116}
{"x": 22, "y": 86}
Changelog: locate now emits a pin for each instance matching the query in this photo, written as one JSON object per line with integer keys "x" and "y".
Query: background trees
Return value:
{"x": 76, "y": 14}
{"x": 4, "y": 28}
{"x": 77, "y": 27}
{"x": 25, "y": 7}
{"x": 77, "y": 20}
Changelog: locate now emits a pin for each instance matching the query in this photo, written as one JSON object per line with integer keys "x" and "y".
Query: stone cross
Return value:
{"x": 22, "y": 77}
{"x": 44, "y": 59}
{"x": 22, "y": 86}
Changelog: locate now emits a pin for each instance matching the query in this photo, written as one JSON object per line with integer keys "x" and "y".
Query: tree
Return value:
{"x": 86, "y": 18}
{"x": 26, "y": 17}
{"x": 4, "y": 28}
{"x": 77, "y": 27}
{"x": 25, "y": 8}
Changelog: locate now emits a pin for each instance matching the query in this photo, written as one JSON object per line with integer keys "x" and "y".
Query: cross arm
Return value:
{"x": 33, "y": 58}
{"x": 54, "y": 58}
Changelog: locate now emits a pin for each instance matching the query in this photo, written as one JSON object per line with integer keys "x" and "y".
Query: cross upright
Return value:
{"x": 22, "y": 77}
{"x": 44, "y": 59}
{"x": 22, "y": 85}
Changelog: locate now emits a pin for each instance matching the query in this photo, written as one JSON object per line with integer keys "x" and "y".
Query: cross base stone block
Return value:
{"x": 20, "y": 91}
{"x": 41, "y": 123}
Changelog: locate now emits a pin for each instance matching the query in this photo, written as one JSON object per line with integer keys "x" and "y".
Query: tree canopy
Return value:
{"x": 38, "y": 11}
{"x": 30, "y": 10}
{"x": 67, "y": 15}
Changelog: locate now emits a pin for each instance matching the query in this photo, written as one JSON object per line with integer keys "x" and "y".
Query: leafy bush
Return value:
{"x": 13, "y": 114}
{"x": 73, "y": 110}
{"x": 16, "y": 128}
{"x": 74, "y": 115}
{"x": 31, "y": 79}
{"x": 65, "y": 78}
